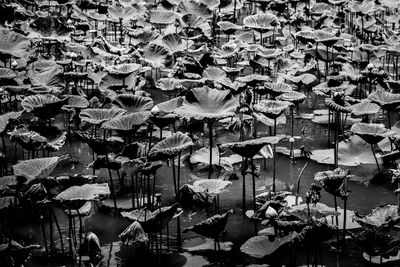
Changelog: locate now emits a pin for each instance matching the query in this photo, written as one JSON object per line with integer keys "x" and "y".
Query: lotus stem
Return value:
{"x": 211, "y": 146}
{"x": 244, "y": 184}
{"x": 389, "y": 122}
{"x": 376, "y": 160}
{"x": 44, "y": 234}
{"x": 299, "y": 179}
{"x": 111, "y": 185}
{"x": 174, "y": 176}
{"x": 337, "y": 220}
{"x": 58, "y": 229}
{"x": 274, "y": 160}
{"x": 51, "y": 232}
{"x": 179, "y": 171}
{"x": 344, "y": 220}
{"x": 336, "y": 149}
{"x": 254, "y": 183}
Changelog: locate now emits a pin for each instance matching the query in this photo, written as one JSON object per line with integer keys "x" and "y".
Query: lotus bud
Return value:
{"x": 291, "y": 140}
{"x": 271, "y": 212}
{"x": 370, "y": 66}
{"x": 155, "y": 109}
{"x": 14, "y": 64}
{"x": 73, "y": 55}
{"x": 69, "y": 21}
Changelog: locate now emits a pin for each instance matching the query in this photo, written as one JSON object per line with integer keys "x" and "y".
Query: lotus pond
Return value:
{"x": 199, "y": 133}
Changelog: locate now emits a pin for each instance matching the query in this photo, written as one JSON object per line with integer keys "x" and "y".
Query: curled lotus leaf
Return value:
{"x": 272, "y": 108}
{"x": 228, "y": 27}
{"x": 132, "y": 82}
{"x": 163, "y": 17}
{"x": 326, "y": 38}
{"x": 5, "y": 119}
{"x": 168, "y": 106}
{"x": 7, "y": 74}
{"x": 293, "y": 97}
{"x": 334, "y": 182}
{"x": 129, "y": 122}
{"x": 337, "y": 107}
{"x": 214, "y": 74}
{"x": 386, "y": 100}
{"x": 305, "y": 78}
{"x": 371, "y": 133}
{"x": 194, "y": 26}
{"x": 276, "y": 89}
{"x": 174, "y": 43}
{"x": 211, "y": 227}
{"x": 123, "y": 14}
{"x": 206, "y": 103}
{"x": 261, "y": 246}
{"x": 139, "y": 215}
{"x": 49, "y": 28}
{"x": 36, "y": 168}
{"x": 160, "y": 218}
{"x": 6, "y": 202}
{"x": 261, "y": 22}
{"x": 97, "y": 116}
{"x": 13, "y": 44}
{"x": 43, "y": 106}
{"x": 133, "y": 234}
{"x": 133, "y": 103}
{"x": 76, "y": 101}
{"x": 86, "y": 192}
{"x": 158, "y": 56}
{"x": 123, "y": 70}
{"x": 376, "y": 243}
{"x": 169, "y": 85}
{"x": 353, "y": 152}
{"x": 250, "y": 148}
{"x": 381, "y": 218}
{"x": 253, "y": 79}
{"x": 194, "y": 7}
{"x": 317, "y": 210}
{"x": 211, "y": 187}
{"x": 170, "y": 146}
{"x": 365, "y": 108}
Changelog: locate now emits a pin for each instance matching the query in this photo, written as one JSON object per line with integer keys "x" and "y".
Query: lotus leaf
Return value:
{"x": 36, "y": 168}
{"x": 43, "y": 106}
{"x": 318, "y": 211}
{"x": 133, "y": 234}
{"x": 371, "y": 133}
{"x": 170, "y": 146}
{"x": 133, "y": 103}
{"x": 381, "y": 218}
{"x": 212, "y": 187}
{"x": 250, "y": 148}
{"x": 386, "y": 100}
{"x": 156, "y": 55}
{"x": 206, "y": 103}
{"x": 13, "y": 44}
{"x": 97, "y": 116}
{"x": 129, "y": 122}
{"x": 271, "y": 108}
{"x": 261, "y": 22}
{"x": 365, "y": 108}
{"x": 261, "y": 246}
{"x": 86, "y": 192}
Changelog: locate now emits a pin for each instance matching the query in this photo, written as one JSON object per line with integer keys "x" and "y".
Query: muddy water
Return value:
{"x": 366, "y": 194}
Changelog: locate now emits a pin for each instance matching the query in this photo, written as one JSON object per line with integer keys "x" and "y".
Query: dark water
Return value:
{"x": 366, "y": 194}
